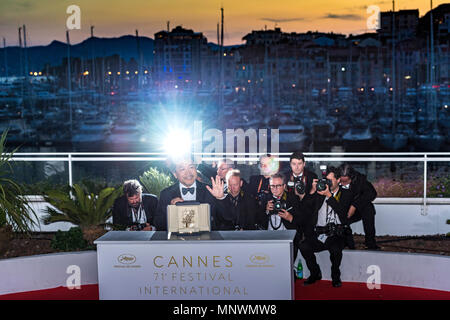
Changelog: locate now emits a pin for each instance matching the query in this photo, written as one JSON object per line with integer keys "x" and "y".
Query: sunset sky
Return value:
{"x": 46, "y": 19}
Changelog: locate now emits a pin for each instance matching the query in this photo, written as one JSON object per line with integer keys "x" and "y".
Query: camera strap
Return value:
{"x": 271, "y": 224}
{"x": 138, "y": 214}
{"x": 330, "y": 211}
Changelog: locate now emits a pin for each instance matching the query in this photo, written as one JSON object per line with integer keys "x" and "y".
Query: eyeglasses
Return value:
{"x": 276, "y": 186}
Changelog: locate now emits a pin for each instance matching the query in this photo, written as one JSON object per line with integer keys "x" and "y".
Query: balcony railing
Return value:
{"x": 419, "y": 165}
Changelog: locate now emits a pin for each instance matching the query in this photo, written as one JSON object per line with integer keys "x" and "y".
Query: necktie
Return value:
{"x": 234, "y": 200}
{"x": 186, "y": 190}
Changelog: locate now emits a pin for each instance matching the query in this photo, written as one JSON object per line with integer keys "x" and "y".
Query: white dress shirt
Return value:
{"x": 189, "y": 196}
{"x": 325, "y": 217}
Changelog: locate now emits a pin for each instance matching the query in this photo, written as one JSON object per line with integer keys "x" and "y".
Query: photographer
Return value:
{"x": 239, "y": 208}
{"x": 325, "y": 224}
{"x": 300, "y": 178}
{"x": 134, "y": 210}
{"x": 258, "y": 187}
{"x": 361, "y": 207}
{"x": 280, "y": 206}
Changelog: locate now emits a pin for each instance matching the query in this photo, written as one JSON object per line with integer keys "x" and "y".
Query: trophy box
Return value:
{"x": 188, "y": 217}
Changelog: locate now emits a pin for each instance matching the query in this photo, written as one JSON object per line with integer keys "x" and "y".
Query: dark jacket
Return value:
{"x": 254, "y": 185}
{"x": 202, "y": 196}
{"x": 363, "y": 194}
{"x": 122, "y": 215}
{"x": 308, "y": 177}
{"x": 263, "y": 217}
{"x": 313, "y": 203}
{"x": 242, "y": 216}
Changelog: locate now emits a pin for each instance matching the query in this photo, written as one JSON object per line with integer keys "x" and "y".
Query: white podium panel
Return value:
{"x": 221, "y": 265}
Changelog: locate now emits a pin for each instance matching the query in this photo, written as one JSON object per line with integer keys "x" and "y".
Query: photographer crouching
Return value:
{"x": 134, "y": 211}
{"x": 324, "y": 225}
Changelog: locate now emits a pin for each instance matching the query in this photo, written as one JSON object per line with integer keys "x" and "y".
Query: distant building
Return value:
{"x": 177, "y": 57}
{"x": 184, "y": 59}
{"x": 406, "y": 22}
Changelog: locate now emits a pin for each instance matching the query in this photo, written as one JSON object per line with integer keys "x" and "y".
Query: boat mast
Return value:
{"x": 21, "y": 67}
{"x": 6, "y": 59}
{"x": 393, "y": 71}
{"x": 432, "y": 68}
{"x": 221, "y": 52}
{"x": 140, "y": 60}
{"x": 93, "y": 81}
{"x": 69, "y": 86}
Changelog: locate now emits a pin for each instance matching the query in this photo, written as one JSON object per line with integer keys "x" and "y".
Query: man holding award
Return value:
{"x": 189, "y": 189}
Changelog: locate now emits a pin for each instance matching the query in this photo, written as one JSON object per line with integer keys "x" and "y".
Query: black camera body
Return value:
{"x": 263, "y": 197}
{"x": 138, "y": 226}
{"x": 279, "y": 205}
{"x": 333, "y": 229}
{"x": 300, "y": 187}
{"x": 322, "y": 184}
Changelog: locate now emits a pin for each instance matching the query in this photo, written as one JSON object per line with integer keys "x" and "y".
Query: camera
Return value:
{"x": 333, "y": 229}
{"x": 322, "y": 184}
{"x": 300, "y": 187}
{"x": 263, "y": 197}
{"x": 137, "y": 227}
{"x": 278, "y": 205}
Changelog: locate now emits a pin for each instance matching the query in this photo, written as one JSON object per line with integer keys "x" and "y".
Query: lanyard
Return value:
{"x": 330, "y": 212}
{"x": 137, "y": 214}
{"x": 260, "y": 184}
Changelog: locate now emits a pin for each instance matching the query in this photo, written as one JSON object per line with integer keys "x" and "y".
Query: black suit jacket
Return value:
{"x": 311, "y": 205}
{"x": 122, "y": 214}
{"x": 252, "y": 190}
{"x": 309, "y": 176}
{"x": 244, "y": 215}
{"x": 202, "y": 196}
{"x": 363, "y": 194}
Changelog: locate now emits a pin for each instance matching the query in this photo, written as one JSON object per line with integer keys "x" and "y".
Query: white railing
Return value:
{"x": 425, "y": 158}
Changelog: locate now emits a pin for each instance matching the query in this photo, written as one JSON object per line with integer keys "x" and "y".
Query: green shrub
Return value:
{"x": 154, "y": 181}
{"x": 69, "y": 240}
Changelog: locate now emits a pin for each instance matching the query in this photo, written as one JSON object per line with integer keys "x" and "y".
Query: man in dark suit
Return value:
{"x": 362, "y": 207}
{"x": 188, "y": 189}
{"x": 238, "y": 208}
{"x": 325, "y": 209}
{"x": 258, "y": 186}
{"x": 299, "y": 172}
{"x": 134, "y": 210}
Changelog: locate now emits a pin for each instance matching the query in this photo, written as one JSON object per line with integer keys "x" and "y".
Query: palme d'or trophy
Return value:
{"x": 188, "y": 217}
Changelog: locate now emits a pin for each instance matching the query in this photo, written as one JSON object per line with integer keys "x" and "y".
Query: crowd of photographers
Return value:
{"x": 320, "y": 209}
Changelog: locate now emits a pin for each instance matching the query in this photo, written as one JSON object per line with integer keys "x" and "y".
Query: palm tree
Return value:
{"x": 88, "y": 210}
{"x": 15, "y": 212}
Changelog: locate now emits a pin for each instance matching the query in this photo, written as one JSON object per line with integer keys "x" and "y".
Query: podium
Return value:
{"x": 217, "y": 265}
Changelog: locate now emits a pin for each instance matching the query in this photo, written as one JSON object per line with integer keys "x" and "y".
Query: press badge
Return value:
{"x": 322, "y": 238}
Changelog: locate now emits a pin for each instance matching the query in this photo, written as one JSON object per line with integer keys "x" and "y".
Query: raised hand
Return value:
{"x": 217, "y": 188}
